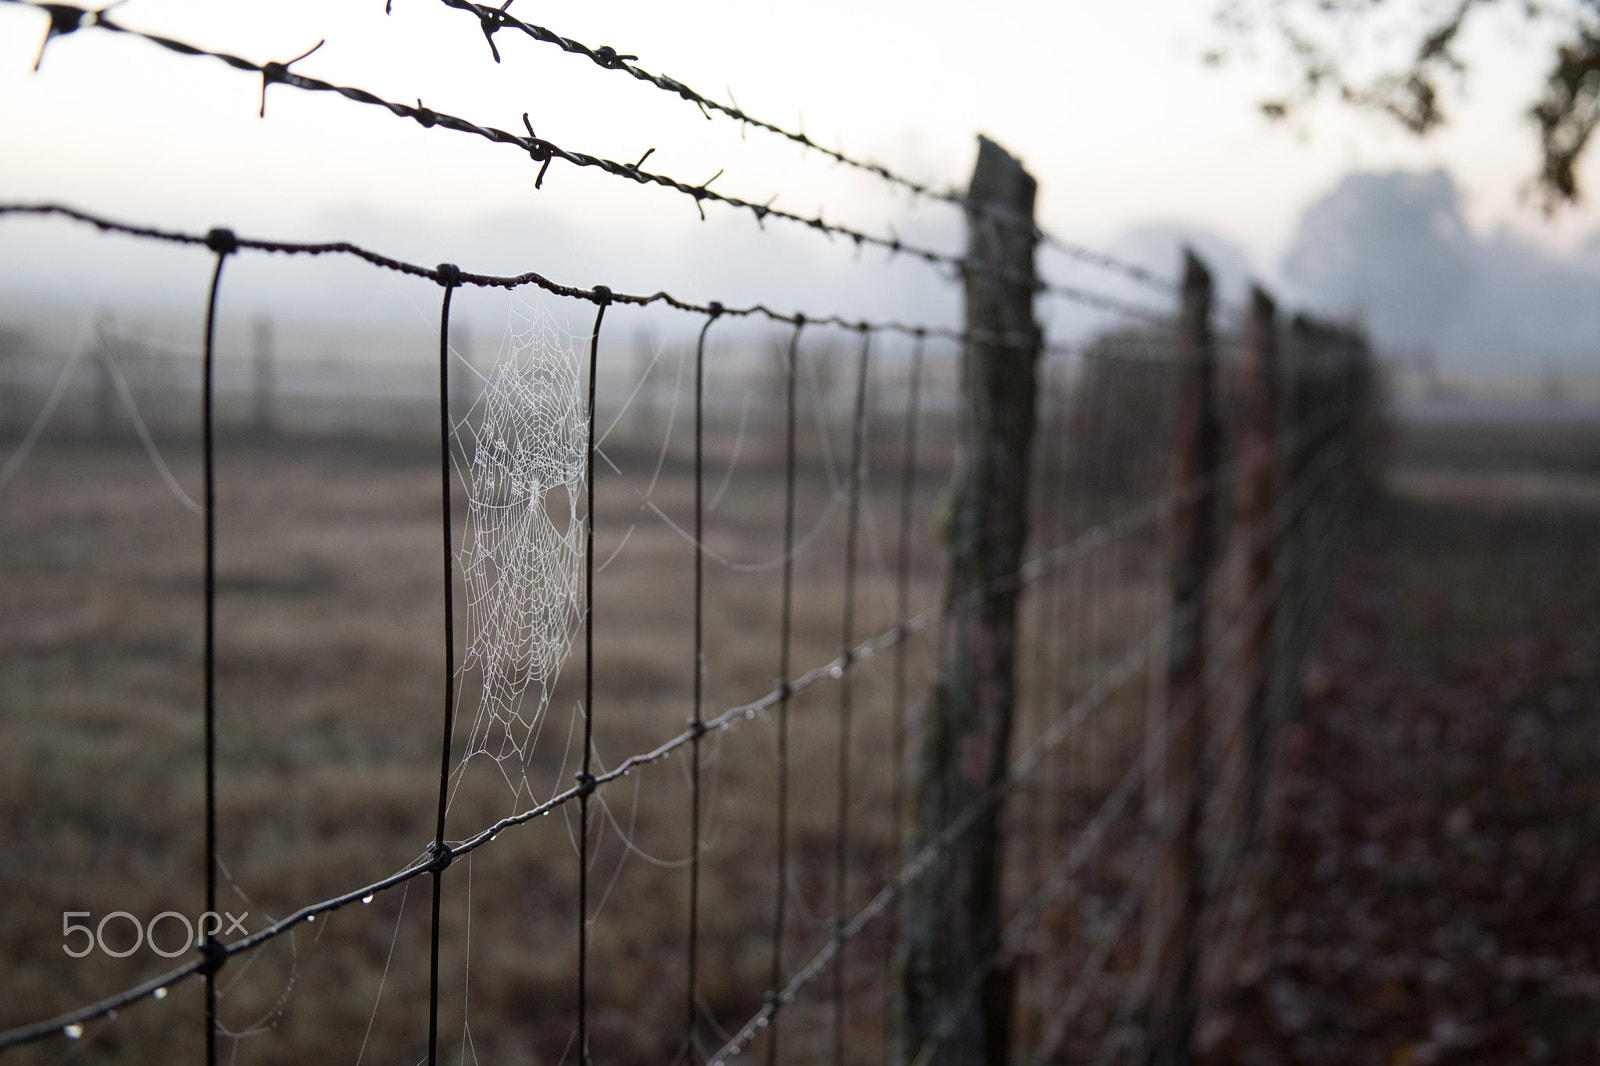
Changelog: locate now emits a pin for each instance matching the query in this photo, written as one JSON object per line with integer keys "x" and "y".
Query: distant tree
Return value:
{"x": 1388, "y": 249}
{"x": 1398, "y": 57}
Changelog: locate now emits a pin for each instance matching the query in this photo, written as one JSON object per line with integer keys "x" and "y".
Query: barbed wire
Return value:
{"x": 493, "y": 19}
{"x": 67, "y": 18}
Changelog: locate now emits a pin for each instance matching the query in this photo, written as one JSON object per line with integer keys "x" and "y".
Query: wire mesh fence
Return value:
{"x": 614, "y": 702}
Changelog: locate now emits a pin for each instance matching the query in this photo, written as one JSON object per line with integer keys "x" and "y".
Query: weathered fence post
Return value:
{"x": 1177, "y": 735}
{"x": 950, "y": 917}
{"x": 1256, "y": 511}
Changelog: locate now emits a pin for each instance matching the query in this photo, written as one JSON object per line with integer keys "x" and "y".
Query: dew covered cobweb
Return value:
{"x": 522, "y": 551}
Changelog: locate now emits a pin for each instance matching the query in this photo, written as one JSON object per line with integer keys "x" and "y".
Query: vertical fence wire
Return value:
{"x": 841, "y": 883}
{"x": 586, "y": 781}
{"x": 785, "y": 632}
{"x": 449, "y": 278}
{"x": 691, "y": 1018}
{"x": 223, "y": 243}
{"x": 902, "y": 611}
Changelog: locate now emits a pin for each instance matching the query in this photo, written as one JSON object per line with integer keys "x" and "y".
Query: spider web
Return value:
{"x": 522, "y": 552}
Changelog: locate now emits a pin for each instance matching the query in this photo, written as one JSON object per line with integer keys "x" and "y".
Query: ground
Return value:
{"x": 1431, "y": 892}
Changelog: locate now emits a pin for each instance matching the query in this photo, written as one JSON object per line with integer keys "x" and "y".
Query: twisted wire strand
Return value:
{"x": 493, "y": 19}
{"x": 68, "y": 18}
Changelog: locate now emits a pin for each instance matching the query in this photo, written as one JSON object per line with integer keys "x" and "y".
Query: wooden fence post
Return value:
{"x": 1262, "y": 532}
{"x": 1177, "y": 736}
{"x": 950, "y": 917}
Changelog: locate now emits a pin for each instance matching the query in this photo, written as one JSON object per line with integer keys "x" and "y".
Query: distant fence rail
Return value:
{"x": 1025, "y": 826}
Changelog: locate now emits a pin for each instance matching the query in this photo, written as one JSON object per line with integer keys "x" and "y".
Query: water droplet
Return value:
{"x": 751, "y": 713}
{"x": 160, "y": 993}
{"x": 368, "y": 897}
{"x": 836, "y": 671}
{"x": 865, "y": 653}
{"x": 73, "y": 1031}
{"x": 761, "y": 1023}
{"x": 311, "y": 917}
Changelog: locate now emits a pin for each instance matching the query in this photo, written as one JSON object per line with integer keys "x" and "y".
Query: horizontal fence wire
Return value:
{"x": 596, "y": 295}
{"x": 66, "y": 19}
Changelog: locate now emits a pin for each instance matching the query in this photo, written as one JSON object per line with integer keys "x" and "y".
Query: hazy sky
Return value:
{"x": 1106, "y": 102}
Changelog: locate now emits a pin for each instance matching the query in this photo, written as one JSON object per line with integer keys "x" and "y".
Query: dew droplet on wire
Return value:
{"x": 73, "y": 1031}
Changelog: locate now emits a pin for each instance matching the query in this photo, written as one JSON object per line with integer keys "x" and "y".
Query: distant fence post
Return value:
{"x": 1261, "y": 531}
{"x": 1243, "y": 726}
{"x": 1176, "y": 740}
{"x": 950, "y": 917}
